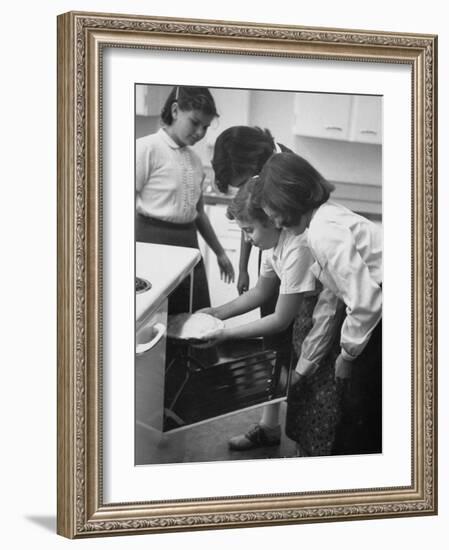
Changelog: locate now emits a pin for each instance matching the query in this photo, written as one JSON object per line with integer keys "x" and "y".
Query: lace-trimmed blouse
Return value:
{"x": 168, "y": 179}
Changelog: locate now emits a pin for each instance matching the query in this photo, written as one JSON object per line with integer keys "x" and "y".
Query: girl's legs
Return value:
{"x": 267, "y": 432}
{"x": 264, "y": 434}
{"x": 270, "y": 415}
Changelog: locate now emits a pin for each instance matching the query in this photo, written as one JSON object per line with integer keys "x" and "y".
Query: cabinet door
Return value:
{"x": 322, "y": 115}
{"x": 229, "y": 235}
{"x": 366, "y": 123}
{"x": 223, "y": 226}
{"x": 221, "y": 292}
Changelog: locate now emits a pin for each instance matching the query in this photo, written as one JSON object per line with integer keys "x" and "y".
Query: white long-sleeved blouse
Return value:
{"x": 347, "y": 249}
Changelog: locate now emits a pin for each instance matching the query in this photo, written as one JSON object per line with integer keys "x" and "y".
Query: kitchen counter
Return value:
{"x": 212, "y": 195}
{"x": 217, "y": 198}
{"x": 164, "y": 267}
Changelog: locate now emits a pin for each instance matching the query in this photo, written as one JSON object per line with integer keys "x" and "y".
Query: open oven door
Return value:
{"x": 204, "y": 384}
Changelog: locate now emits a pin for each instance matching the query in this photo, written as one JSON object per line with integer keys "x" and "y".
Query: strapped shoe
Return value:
{"x": 257, "y": 436}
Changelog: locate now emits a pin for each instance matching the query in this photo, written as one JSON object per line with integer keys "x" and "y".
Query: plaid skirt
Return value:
{"x": 314, "y": 405}
{"x": 326, "y": 417}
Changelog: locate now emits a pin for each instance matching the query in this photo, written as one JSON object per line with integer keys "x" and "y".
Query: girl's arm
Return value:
{"x": 206, "y": 230}
{"x": 255, "y": 297}
{"x": 143, "y": 164}
{"x": 286, "y": 308}
{"x": 326, "y": 319}
{"x": 243, "y": 281}
{"x": 361, "y": 294}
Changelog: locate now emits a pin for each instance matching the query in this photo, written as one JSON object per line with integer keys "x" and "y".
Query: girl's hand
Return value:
{"x": 212, "y": 338}
{"x": 243, "y": 282}
{"x": 226, "y": 269}
{"x": 296, "y": 378}
{"x": 343, "y": 368}
{"x": 296, "y": 386}
{"x": 208, "y": 310}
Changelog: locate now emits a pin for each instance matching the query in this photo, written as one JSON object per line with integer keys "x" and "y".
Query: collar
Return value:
{"x": 277, "y": 149}
{"x": 167, "y": 139}
{"x": 277, "y": 248}
{"x": 286, "y": 235}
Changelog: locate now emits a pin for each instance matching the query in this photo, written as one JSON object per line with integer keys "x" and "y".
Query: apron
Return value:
{"x": 151, "y": 230}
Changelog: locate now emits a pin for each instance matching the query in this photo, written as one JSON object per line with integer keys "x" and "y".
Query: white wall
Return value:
{"x": 28, "y": 237}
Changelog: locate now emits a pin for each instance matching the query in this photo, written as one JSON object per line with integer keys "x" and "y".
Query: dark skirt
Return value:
{"x": 360, "y": 429}
{"x": 326, "y": 417}
{"x": 314, "y": 406}
{"x": 150, "y": 230}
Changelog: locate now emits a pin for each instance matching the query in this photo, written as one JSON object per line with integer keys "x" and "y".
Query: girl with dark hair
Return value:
{"x": 188, "y": 98}
{"x": 285, "y": 257}
{"x": 292, "y": 187}
{"x": 169, "y": 178}
{"x": 347, "y": 252}
{"x": 239, "y": 154}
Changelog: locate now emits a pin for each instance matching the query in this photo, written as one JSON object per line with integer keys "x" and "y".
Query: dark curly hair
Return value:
{"x": 189, "y": 98}
{"x": 240, "y": 151}
{"x": 290, "y": 186}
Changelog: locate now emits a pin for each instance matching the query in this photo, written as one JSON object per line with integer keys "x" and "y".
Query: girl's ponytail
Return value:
{"x": 189, "y": 98}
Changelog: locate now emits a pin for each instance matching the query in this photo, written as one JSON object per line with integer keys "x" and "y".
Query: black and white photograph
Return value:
{"x": 247, "y": 285}
{"x": 258, "y": 273}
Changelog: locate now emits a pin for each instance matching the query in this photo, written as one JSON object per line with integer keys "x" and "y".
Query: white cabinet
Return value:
{"x": 323, "y": 116}
{"x": 339, "y": 117}
{"x": 366, "y": 119}
{"x": 229, "y": 235}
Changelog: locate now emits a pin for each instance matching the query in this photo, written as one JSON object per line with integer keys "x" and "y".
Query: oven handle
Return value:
{"x": 146, "y": 346}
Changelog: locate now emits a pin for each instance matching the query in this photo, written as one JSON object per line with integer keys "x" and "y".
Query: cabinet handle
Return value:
{"x": 370, "y": 132}
{"x": 146, "y": 346}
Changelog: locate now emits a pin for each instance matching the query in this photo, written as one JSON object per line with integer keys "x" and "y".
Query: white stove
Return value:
{"x": 159, "y": 270}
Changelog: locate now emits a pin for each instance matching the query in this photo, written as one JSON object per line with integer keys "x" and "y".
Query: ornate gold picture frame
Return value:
{"x": 82, "y": 508}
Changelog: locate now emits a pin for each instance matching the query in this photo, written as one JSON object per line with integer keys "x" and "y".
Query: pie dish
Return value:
{"x": 192, "y": 326}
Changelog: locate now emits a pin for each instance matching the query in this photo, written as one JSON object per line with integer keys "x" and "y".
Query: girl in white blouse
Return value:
{"x": 169, "y": 178}
{"x": 286, "y": 259}
{"x": 284, "y": 256}
{"x": 347, "y": 249}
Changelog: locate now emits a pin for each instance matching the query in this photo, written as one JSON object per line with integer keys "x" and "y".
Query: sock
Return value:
{"x": 270, "y": 416}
